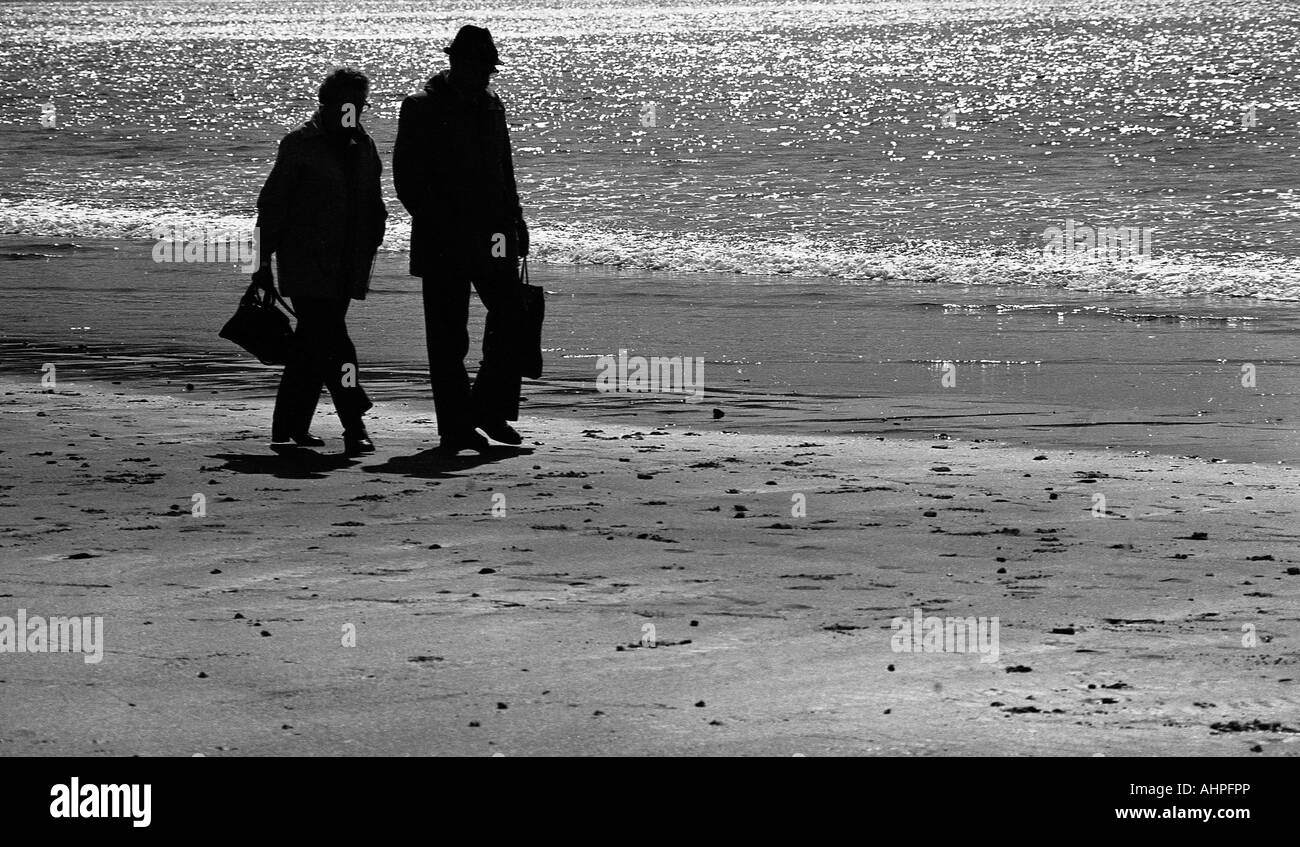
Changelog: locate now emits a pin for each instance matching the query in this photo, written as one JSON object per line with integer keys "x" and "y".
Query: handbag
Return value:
{"x": 530, "y": 338}
{"x": 260, "y": 328}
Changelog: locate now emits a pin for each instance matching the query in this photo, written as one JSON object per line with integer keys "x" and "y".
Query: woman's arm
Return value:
{"x": 273, "y": 205}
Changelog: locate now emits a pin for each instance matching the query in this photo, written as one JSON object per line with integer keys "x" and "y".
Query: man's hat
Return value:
{"x": 473, "y": 42}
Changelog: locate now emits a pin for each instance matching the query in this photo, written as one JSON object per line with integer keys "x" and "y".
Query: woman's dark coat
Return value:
{"x": 321, "y": 212}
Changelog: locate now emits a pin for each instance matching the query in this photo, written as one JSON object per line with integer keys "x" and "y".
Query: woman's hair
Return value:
{"x": 339, "y": 81}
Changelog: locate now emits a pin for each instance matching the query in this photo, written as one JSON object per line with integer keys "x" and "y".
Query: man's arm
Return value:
{"x": 410, "y": 162}
{"x": 508, "y": 169}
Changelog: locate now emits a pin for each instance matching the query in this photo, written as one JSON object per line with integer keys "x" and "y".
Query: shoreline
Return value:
{"x": 521, "y": 633}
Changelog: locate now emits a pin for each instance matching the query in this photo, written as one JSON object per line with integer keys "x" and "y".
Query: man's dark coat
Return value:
{"x": 454, "y": 173}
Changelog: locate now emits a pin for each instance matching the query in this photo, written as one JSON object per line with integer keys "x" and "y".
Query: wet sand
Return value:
{"x": 1030, "y": 365}
{"x": 1121, "y": 623}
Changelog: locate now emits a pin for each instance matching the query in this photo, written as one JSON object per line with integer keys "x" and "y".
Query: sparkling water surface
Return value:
{"x": 918, "y": 140}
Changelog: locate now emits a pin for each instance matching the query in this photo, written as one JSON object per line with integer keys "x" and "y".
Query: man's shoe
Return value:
{"x": 306, "y": 439}
{"x": 453, "y": 444}
{"x": 356, "y": 443}
{"x": 502, "y": 431}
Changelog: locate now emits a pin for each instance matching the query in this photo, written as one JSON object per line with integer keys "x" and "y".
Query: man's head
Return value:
{"x": 342, "y": 100}
{"x": 473, "y": 57}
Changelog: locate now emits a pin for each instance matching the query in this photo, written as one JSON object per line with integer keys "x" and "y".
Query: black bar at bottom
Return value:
{"x": 300, "y": 796}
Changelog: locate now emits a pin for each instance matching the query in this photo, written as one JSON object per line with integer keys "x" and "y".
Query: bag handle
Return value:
{"x": 275, "y": 295}
{"x": 253, "y": 290}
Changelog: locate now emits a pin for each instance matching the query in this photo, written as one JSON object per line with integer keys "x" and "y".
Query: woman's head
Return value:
{"x": 342, "y": 100}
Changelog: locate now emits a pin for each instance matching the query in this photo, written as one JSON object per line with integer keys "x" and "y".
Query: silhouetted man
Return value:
{"x": 454, "y": 174}
{"x": 322, "y": 215}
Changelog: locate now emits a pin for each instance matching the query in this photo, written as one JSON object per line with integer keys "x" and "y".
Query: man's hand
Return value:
{"x": 521, "y": 233}
{"x": 264, "y": 279}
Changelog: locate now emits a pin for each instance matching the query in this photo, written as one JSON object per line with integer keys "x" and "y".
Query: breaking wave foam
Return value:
{"x": 1252, "y": 274}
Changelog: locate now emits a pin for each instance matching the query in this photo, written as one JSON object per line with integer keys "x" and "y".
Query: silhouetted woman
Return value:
{"x": 322, "y": 216}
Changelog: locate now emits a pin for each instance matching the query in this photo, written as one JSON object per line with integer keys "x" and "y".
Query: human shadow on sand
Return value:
{"x": 293, "y": 463}
{"x": 433, "y": 464}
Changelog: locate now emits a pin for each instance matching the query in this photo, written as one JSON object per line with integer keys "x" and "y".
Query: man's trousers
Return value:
{"x": 494, "y": 395}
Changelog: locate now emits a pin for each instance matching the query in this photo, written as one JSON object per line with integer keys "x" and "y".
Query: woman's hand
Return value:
{"x": 264, "y": 279}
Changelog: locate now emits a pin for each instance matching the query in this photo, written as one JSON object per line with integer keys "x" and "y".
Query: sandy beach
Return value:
{"x": 510, "y": 605}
